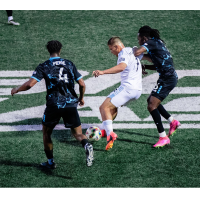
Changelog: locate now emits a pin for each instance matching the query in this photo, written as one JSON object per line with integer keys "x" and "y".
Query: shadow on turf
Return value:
{"x": 66, "y": 137}
{"x": 37, "y": 166}
{"x": 134, "y": 133}
{"x": 127, "y": 140}
{"x": 51, "y": 172}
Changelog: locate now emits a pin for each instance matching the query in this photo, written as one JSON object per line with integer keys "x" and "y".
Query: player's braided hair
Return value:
{"x": 149, "y": 32}
{"x": 53, "y": 46}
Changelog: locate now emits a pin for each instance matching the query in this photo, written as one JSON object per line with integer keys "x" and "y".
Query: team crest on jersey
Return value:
{"x": 121, "y": 59}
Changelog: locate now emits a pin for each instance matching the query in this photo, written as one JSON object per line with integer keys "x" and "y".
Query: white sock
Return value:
{"x": 50, "y": 161}
{"x": 101, "y": 126}
{"x": 10, "y": 18}
{"x": 163, "y": 134}
{"x": 170, "y": 119}
{"x": 108, "y": 126}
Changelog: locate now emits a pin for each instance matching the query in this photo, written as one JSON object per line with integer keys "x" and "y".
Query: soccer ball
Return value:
{"x": 93, "y": 133}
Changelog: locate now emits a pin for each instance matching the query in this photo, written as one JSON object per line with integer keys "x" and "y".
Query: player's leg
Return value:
{"x": 51, "y": 117}
{"x": 108, "y": 112}
{"x": 114, "y": 115}
{"x": 77, "y": 133}
{"x": 174, "y": 124}
{"x": 48, "y": 148}
{"x": 121, "y": 96}
{"x": 153, "y": 104}
{"x": 10, "y": 18}
{"x": 161, "y": 91}
{"x": 72, "y": 120}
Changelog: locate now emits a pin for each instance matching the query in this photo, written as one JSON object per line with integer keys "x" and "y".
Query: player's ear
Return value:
{"x": 115, "y": 46}
{"x": 59, "y": 51}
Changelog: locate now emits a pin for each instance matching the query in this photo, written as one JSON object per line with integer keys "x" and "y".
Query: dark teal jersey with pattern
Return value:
{"x": 160, "y": 56}
{"x": 59, "y": 75}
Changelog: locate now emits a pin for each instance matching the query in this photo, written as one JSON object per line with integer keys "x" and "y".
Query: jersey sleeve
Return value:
{"x": 38, "y": 73}
{"x": 123, "y": 58}
{"x": 77, "y": 75}
{"x": 149, "y": 45}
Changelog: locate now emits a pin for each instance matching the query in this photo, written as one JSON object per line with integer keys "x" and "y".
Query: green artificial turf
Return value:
{"x": 132, "y": 162}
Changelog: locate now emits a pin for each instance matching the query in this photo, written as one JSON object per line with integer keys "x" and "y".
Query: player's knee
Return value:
{"x": 47, "y": 131}
{"x": 76, "y": 131}
{"x": 149, "y": 107}
{"x": 101, "y": 108}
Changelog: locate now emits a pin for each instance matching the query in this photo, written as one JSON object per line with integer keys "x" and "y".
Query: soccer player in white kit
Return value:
{"x": 130, "y": 89}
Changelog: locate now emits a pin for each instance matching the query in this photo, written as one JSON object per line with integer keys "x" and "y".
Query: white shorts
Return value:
{"x": 123, "y": 95}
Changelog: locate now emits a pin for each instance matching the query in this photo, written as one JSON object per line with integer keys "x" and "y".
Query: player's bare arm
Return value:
{"x": 114, "y": 70}
{"x": 82, "y": 88}
{"x": 139, "y": 51}
{"x": 26, "y": 86}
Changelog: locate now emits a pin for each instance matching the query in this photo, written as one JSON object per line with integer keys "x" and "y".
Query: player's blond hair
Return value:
{"x": 114, "y": 40}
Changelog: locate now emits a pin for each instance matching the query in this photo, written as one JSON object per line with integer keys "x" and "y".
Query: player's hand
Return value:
{"x": 14, "y": 91}
{"x": 134, "y": 49}
{"x": 97, "y": 73}
{"x": 143, "y": 70}
{"x": 81, "y": 102}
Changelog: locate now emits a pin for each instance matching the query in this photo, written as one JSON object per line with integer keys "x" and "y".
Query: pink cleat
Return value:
{"x": 103, "y": 134}
{"x": 173, "y": 126}
{"x": 162, "y": 142}
{"x": 110, "y": 140}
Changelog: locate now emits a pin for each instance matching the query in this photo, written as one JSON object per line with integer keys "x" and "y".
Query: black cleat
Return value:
{"x": 46, "y": 165}
{"x": 89, "y": 154}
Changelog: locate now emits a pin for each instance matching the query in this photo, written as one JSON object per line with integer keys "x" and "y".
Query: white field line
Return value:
{"x": 5, "y": 128}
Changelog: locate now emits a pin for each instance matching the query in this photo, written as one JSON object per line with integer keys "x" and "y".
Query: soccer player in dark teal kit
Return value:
{"x": 158, "y": 54}
{"x": 61, "y": 100}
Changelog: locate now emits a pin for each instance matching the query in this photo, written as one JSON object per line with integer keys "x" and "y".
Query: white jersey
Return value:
{"x": 131, "y": 76}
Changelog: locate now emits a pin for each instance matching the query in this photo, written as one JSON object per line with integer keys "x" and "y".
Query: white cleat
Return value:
{"x": 89, "y": 155}
{"x": 13, "y": 23}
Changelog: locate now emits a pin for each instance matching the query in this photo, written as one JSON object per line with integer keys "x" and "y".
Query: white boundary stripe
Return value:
{"x": 5, "y": 128}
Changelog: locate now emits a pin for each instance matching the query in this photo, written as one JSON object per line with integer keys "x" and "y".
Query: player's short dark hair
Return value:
{"x": 53, "y": 46}
{"x": 114, "y": 40}
{"x": 149, "y": 32}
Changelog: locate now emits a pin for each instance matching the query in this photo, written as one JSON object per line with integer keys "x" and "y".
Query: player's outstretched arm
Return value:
{"x": 26, "y": 86}
{"x": 114, "y": 70}
{"x": 139, "y": 51}
{"x": 82, "y": 88}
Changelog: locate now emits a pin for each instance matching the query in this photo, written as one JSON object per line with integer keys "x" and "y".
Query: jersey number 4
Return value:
{"x": 63, "y": 76}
